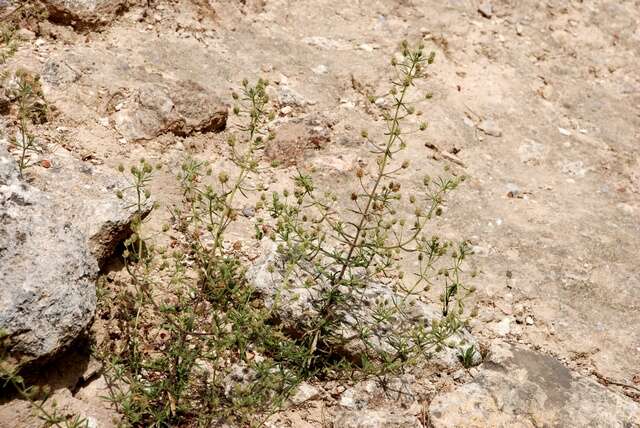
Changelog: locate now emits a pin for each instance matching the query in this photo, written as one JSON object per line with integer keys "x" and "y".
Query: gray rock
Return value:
{"x": 57, "y": 73}
{"x": 47, "y": 274}
{"x": 181, "y": 108}
{"x": 289, "y": 97}
{"x": 375, "y": 419}
{"x": 86, "y": 196}
{"x": 521, "y": 388}
{"x": 248, "y": 211}
{"x": 304, "y": 392}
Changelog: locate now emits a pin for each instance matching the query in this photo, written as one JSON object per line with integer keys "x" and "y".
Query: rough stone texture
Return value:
{"x": 46, "y": 271}
{"x": 521, "y": 388}
{"x": 85, "y": 13}
{"x": 296, "y": 304}
{"x": 304, "y": 392}
{"x": 179, "y": 108}
{"x": 375, "y": 419}
{"x": 86, "y": 195}
{"x": 87, "y": 404}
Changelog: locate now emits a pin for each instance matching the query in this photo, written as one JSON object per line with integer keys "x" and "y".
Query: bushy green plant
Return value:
{"x": 194, "y": 342}
{"x": 345, "y": 253}
{"x": 219, "y": 358}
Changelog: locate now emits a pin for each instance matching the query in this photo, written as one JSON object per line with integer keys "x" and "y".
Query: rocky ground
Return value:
{"x": 537, "y": 102}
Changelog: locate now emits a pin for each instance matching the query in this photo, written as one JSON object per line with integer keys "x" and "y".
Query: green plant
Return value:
{"x": 196, "y": 345}
{"x": 193, "y": 342}
{"x": 468, "y": 356}
{"x": 27, "y": 91}
{"x": 345, "y": 254}
{"x": 38, "y": 397}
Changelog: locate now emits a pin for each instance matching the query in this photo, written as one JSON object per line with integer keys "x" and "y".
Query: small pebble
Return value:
{"x": 490, "y": 127}
{"x": 25, "y": 34}
{"x": 528, "y": 320}
{"x": 366, "y": 47}
{"x": 303, "y": 393}
{"x": 547, "y": 92}
{"x": 320, "y": 69}
{"x": 248, "y": 212}
{"x": 503, "y": 327}
{"x": 486, "y": 9}
{"x": 512, "y": 190}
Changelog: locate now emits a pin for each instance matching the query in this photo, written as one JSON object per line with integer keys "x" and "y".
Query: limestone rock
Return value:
{"x": 58, "y": 73}
{"x": 87, "y": 404}
{"x": 375, "y": 419}
{"x": 180, "y": 108}
{"x": 86, "y": 195}
{"x": 47, "y": 288}
{"x": 304, "y": 392}
{"x": 521, "y": 388}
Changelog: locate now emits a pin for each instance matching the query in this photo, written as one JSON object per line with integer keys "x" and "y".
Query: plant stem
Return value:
{"x": 381, "y": 173}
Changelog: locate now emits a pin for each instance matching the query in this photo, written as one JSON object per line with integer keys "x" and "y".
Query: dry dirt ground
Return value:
{"x": 539, "y": 105}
